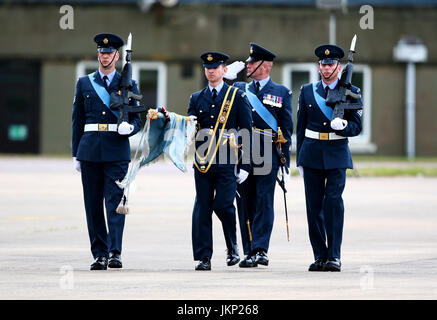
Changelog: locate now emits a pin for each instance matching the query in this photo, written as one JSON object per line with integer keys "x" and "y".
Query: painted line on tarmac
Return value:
{"x": 33, "y": 218}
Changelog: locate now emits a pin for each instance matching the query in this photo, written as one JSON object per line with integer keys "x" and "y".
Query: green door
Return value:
{"x": 19, "y": 106}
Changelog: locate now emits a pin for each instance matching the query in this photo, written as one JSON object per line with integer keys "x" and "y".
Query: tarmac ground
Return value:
{"x": 389, "y": 246}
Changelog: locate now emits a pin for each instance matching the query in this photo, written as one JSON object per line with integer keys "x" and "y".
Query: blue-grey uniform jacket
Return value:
{"x": 207, "y": 110}
{"x": 88, "y": 108}
{"x": 282, "y": 113}
{"x": 323, "y": 154}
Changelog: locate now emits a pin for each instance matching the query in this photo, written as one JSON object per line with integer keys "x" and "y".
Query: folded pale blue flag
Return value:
{"x": 160, "y": 136}
{"x": 170, "y": 138}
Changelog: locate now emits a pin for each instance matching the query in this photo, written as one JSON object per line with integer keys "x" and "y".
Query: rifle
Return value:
{"x": 339, "y": 98}
{"x": 120, "y": 99}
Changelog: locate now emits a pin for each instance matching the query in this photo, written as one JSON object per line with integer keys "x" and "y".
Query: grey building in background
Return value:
{"x": 43, "y": 53}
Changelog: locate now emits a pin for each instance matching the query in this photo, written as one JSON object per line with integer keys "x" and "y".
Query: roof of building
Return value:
{"x": 387, "y": 3}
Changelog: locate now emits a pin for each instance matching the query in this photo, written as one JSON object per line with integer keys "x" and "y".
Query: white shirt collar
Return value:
{"x": 110, "y": 76}
{"x": 218, "y": 87}
{"x": 331, "y": 86}
{"x": 262, "y": 82}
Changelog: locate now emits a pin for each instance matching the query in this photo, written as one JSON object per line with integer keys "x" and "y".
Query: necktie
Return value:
{"x": 105, "y": 83}
{"x": 326, "y": 91}
{"x": 214, "y": 93}
{"x": 257, "y": 85}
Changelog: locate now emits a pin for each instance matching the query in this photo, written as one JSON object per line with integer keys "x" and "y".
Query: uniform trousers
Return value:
{"x": 260, "y": 191}
{"x": 215, "y": 192}
{"x": 325, "y": 210}
{"x": 100, "y": 190}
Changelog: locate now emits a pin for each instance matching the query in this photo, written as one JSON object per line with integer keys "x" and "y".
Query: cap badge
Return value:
{"x": 251, "y": 50}
{"x": 327, "y": 52}
{"x": 105, "y": 41}
{"x": 209, "y": 58}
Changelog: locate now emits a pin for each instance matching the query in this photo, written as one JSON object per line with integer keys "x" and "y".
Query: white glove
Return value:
{"x": 125, "y": 128}
{"x": 233, "y": 69}
{"x": 192, "y": 118}
{"x": 300, "y": 171}
{"x": 76, "y": 164}
{"x": 338, "y": 124}
{"x": 241, "y": 176}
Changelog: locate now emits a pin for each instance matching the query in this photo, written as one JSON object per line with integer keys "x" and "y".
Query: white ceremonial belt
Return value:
{"x": 101, "y": 127}
{"x": 322, "y": 135}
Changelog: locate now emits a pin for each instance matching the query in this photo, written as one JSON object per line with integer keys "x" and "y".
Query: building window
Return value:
{"x": 294, "y": 75}
{"x": 362, "y": 78}
{"x": 151, "y": 78}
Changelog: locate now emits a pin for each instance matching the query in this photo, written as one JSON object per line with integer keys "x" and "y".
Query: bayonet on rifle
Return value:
{"x": 339, "y": 98}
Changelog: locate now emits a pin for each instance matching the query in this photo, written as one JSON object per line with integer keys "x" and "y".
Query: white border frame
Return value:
{"x": 289, "y": 67}
{"x": 364, "y": 140}
{"x": 286, "y": 81}
{"x": 161, "y": 98}
{"x": 81, "y": 66}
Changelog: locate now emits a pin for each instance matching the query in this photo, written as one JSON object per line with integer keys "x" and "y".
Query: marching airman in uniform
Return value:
{"x": 101, "y": 152}
{"x": 323, "y": 156}
{"x": 219, "y": 109}
{"x": 272, "y": 122}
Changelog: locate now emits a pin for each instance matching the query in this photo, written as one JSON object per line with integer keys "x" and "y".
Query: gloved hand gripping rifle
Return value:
{"x": 120, "y": 100}
{"x": 339, "y": 98}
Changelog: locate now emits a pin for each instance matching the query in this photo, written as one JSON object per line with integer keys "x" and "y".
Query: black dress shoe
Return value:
{"x": 101, "y": 263}
{"x": 204, "y": 264}
{"x": 333, "y": 264}
{"x": 248, "y": 262}
{"x": 232, "y": 256}
{"x": 261, "y": 258}
{"x": 114, "y": 260}
{"x": 318, "y": 265}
